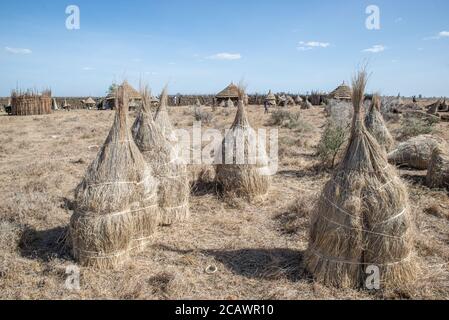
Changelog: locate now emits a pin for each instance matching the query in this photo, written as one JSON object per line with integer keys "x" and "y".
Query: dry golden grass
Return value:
{"x": 257, "y": 248}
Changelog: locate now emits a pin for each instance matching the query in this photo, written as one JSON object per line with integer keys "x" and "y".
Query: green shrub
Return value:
{"x": 332, "y": 142}
{"x": 290, "y": 120}
{"x": 412, "y": 127}
{"x": 203, "y": 116}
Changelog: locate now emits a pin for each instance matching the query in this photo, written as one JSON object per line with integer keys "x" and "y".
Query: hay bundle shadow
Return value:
{"x": 171, "y": 172}
{"x": 362, "y": 217}
{"x": 375, "y": 124}
{"x": 242, "y": 162}
{"x": 116, "y": 203}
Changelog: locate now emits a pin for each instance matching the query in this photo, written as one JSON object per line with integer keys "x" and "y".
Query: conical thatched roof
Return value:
{"x": 231, "y": 91}
{"x": 343, "y": 92}
{"x": 89, "y": 101}
{"x": 131, "y": 93}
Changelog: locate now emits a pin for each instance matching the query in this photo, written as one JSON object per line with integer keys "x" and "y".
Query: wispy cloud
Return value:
{"x": 398, "y": 20}
{"x": 225, "y": 56}
{"x": 376, "y": 48}
{"x": 306, "y": 46}
{"x": 88, "y": 68}
{"x": 18, "y": 50}
{"x": 442, "y": 34}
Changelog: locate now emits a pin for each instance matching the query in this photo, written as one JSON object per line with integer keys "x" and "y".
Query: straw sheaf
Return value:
{"x": 174, "y": 189}
{"x": 162, "y": 118}
{"x": 375, "y": 124}
{"x": 116, "y": 203}
{"x": 362, "y": 217}
{"x": 243, "y": 161}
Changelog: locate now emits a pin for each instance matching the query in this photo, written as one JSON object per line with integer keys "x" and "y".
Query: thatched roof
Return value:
{"x": 131, "y": 93}
{"x": 343, "y": 92}
{"x": 231, "y": 91}
{"x": 89, "y": 101}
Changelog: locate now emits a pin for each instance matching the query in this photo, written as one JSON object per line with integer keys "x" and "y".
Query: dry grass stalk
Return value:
{"x": 362, "y": 217}
{"x": 438, "y": 171}
{"x": 241, "y": 171}
{"x": 116, "y": 202}
{"x": 375, "y": 124}
{"x": 162, "y": 118}
{"x": 174, "y": 189}
{"x": 415, "y": 153}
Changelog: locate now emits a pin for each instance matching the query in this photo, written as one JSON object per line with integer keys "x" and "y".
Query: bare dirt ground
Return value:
{"x": 257, "y": 248}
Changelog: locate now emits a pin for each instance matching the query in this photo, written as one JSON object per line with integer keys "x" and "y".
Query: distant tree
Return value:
{"x": 112, "y": 88}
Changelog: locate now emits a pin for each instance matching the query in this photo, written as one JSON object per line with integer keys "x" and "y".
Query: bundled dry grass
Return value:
{"x": 375, "y": 124}
{"x": 116, "y": 203}
{"x": 416, "y": 152}
{"x": 174, "y": 189}
{"x": 242, "y": 168}
{"x": 229, "y": 104}
{"x": 162, "y": 118}
{"x": 362, "y": 217}
{"x": 438, "y": 171}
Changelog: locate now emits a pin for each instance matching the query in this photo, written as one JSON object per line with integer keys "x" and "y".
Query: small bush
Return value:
{"x": 203, "y": 116}
{"x": 289, "y": 120}
{"x": 412, "y": 127}
{"x": 332, "y": 142}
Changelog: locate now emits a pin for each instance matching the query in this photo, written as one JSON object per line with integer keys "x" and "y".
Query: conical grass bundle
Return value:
{"x": 174, "y": 188}
{"x": 162, "y": 119}
{"x": 362, "y": 218}
{"x": 242, "y": 161}
{"x": 375, "y": 124}
{"x": 116, "y": 203}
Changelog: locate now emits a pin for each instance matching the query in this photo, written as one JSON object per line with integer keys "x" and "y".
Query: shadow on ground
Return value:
{"x": 44, "y": 245}
{"x": 269, "y": 264}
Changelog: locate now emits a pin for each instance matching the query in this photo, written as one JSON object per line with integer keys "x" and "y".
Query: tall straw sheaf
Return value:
{"x": 375, "y": 124}
{"x": 363, "y": 216}
{"x": 160, "y": 154}
{"x": 241, "y": 160}
{"x": 116, "y": 203}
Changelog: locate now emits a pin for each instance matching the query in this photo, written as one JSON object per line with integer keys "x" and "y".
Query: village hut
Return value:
{"x": 135, "y": 99}
{"x": 242, "y": 164}
{"x": 116, "y": 209}
{"x": 162, "y": 118}
{"x": 30, "y": 103}
{"x": 375, "y": 124}
{"x": 171, "y": 172}
{"x": 89, "y": 103}
{"x": 231, "y": 92}
{"x": 342, "y": 92}
{"x": 363, "y": 215}
{"x": 416, "y": 152}
{"x": 270, "y": 99}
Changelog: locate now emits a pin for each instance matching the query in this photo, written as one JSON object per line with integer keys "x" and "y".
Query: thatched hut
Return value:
{"x": 30, "y": 103}
{"x": 116, "y": 209}
{"x": 242, "y": 164}
{"x": 270, "y": 99}
{"x": 363, "y": 215}
{"x": 89, "y": 103}
{"x": 231, "y": 92}
{"x": 343, "y": 92}
{"x": 135, "y": 99}
{"x": 159, "y": 153}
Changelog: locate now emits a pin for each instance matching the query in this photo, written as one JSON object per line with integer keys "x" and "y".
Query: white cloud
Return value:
{"x": 376, "y": 49}
{"x": 443, "y": 34}
{"x": 306, "y": 46}
{"x": 18, "y": 50}
{"x": 225, "y": 56}
{"x": 88, "y": 68}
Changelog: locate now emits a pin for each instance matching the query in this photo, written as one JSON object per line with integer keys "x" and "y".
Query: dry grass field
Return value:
{"x": 257, "y": 248}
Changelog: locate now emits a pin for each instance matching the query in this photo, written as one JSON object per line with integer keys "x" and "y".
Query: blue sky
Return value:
{"x": 199, "y": 46}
